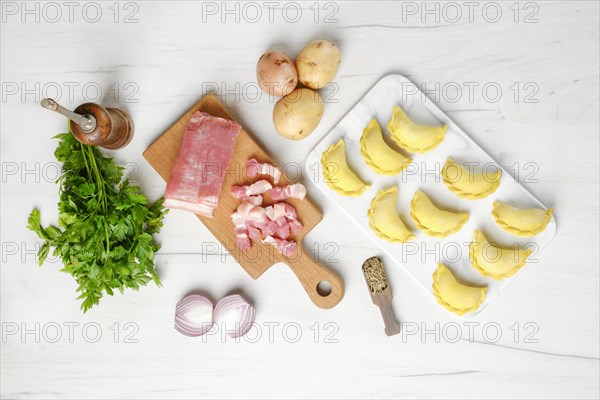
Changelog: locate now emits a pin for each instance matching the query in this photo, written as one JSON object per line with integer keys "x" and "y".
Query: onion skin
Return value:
{"x": 236, "y": 306}
{"x": 185, "y": 309}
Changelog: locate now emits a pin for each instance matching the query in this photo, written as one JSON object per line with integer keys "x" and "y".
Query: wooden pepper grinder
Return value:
{"x": 95, "y": 125}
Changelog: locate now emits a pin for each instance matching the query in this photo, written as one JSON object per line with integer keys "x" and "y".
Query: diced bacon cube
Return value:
{"x": 244, "y": 209}
{"x": 290, "y": 212}
{"x": 285, "y": 247}
{"x": 279, "y": 210}
{"x": 254, "y": 233}
{"x": 270, "y": 228}
{"x": 256, "y": 188}
{"x": 295, "y": 227}
{"x": 257, "y": 215}
{"x": 281, "y": 221}
{"x": 284, "y": 231}
{"x": 256, "y": 200}
{"x": 243, "y": 243}
{"x": 254, "y": 168}
{"x": 241, "y": 231}
{"x": 296, "y": 191}
{"x": 270, "y": 212}
{"x": 257, "y": 224}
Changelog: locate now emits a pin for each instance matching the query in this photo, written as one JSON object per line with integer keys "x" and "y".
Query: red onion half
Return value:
{"x": 235, "y": 315}
{"x": 193, "y": 315}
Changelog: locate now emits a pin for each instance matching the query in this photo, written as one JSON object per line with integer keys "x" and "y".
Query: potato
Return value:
{"x": 276, "y": 73}
{"x": 318, "y": 63}
{"x": 297, "y": 115}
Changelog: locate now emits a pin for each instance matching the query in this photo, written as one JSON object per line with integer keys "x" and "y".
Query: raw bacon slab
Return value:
{"x": 197, "y": 176}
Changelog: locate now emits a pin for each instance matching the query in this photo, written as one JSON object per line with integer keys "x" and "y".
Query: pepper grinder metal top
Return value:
{"x": 94, "y": 125}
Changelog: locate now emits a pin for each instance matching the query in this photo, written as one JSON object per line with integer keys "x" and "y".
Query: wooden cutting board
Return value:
{"x": 162, "y": 154}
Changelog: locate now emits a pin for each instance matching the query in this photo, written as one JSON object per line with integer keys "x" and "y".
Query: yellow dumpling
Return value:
{"x": 338, "y": 174}
{"x": 378, "y": 155}
{"x": 453, "y": 295}
{"x": 521, "y": 222}
{"x": 384, "y": 219}
{"x": 433, "y": 220}
{"x": 412, "y": 137}
{"x": 494, "y": 261}
{"x": 467, "y": 184}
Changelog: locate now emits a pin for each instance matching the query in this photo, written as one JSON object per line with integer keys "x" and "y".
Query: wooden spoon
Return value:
{"x": 381, "y": 294}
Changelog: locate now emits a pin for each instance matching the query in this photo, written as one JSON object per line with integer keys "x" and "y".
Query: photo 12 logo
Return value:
{"x": 453, "y": 12}
{"x": 319, "y": 252}
{"x": 250, "y": 92}
{"x": 93, "y": 92}
{"x": 430, "y": 172}
{"x": 49, "y": 172}
{"x": 270, "y": 11}
{"x": 472, "y": 92}
{"x": 68, "y": 332}
{"x": 471, "y": 331}
{"x": 271, "y": 332}
{"x": 53, "y": 12}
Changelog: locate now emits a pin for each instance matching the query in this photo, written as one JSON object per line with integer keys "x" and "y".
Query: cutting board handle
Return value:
{"x": 311, "y": 274}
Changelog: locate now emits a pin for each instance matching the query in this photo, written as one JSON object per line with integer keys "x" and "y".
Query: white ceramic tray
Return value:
{"x": 420, "y": 256}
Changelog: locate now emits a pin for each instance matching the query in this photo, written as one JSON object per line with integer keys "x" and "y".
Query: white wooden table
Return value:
{"x": 540, "y": 338}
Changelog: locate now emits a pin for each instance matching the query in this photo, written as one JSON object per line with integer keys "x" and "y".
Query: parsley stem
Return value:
{"x": 83, "y": 152}
{"x": 99, "y": 179}
{"x": 107, "y": 239}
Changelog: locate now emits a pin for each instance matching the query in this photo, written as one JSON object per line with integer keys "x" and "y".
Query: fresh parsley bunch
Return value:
{"x": 105, "y": 225}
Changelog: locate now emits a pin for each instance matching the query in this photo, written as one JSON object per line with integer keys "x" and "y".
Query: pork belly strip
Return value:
{"x": 198, "y": 174}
